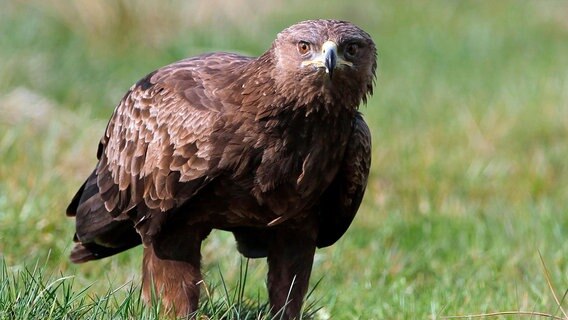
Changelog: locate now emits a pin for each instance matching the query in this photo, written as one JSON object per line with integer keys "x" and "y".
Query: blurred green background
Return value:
{"x": 470, "y": 134}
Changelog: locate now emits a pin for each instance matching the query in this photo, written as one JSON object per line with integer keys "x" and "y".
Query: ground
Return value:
{"x": 469, "y": 120}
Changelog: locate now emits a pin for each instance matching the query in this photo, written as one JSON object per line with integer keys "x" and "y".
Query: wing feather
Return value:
{"x": 161, "y": 144}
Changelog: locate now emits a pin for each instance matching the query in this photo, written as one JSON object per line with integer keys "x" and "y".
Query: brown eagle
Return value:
{"x": 272, "y": 149}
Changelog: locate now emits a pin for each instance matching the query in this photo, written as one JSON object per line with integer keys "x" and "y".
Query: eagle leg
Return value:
{"x": 290, "y": 258}
{"x": 171, "y": 269}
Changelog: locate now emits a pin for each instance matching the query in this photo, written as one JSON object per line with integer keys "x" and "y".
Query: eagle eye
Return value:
{"x": 351, "y": 50}
{"x": 303, "y": 47}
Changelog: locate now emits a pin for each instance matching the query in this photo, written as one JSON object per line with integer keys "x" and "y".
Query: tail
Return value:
{"x": 97, "y": 234}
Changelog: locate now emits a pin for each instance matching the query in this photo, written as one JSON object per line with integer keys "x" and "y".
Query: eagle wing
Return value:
{"x": 341, "y": 200}
{"x": 162, "y": 144}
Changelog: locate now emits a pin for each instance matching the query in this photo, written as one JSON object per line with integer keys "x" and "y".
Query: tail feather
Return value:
{"x": 98, "y": 234}
{"x": 83, "y": 252}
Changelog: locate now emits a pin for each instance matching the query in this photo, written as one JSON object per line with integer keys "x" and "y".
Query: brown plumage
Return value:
{"x": 272, "y": 149}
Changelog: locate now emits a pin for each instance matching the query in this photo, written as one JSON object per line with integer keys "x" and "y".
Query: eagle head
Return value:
{"x": 330, "y": 60}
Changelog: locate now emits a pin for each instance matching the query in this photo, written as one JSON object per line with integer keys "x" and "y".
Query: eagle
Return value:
{"x": 273, "y": 149}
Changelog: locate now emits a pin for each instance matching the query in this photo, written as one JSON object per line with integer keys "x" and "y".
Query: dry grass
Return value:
{"x": 531, "y": 314}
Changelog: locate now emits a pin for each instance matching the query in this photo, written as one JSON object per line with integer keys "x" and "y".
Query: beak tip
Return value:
{"x": 330, "y": 62}
{"x": 329, "y": 71}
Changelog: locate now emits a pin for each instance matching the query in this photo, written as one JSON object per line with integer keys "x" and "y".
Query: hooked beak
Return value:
{"x": 329, "y": 51}
{"x": 328, "y": 59}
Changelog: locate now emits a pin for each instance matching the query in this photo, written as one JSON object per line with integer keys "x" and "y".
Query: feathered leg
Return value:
{"x": 171, "y": 269}
{"x": 290, "y": 258}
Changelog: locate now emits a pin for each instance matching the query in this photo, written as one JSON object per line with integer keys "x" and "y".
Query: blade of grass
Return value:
{"x": 550, "y": 286}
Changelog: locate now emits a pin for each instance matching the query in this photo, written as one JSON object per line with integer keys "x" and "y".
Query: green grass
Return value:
{"x": 34, "y": 294}
{"x": 469, "y": 180}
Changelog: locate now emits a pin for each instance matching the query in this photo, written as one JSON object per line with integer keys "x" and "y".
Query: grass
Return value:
{"x": 31, "y": 294}
{"x": 469, "y": 180}
{"x": 36, "y": 294}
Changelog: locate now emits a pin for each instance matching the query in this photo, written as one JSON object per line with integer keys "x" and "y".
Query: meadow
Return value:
{"x": 466, "y": 208}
